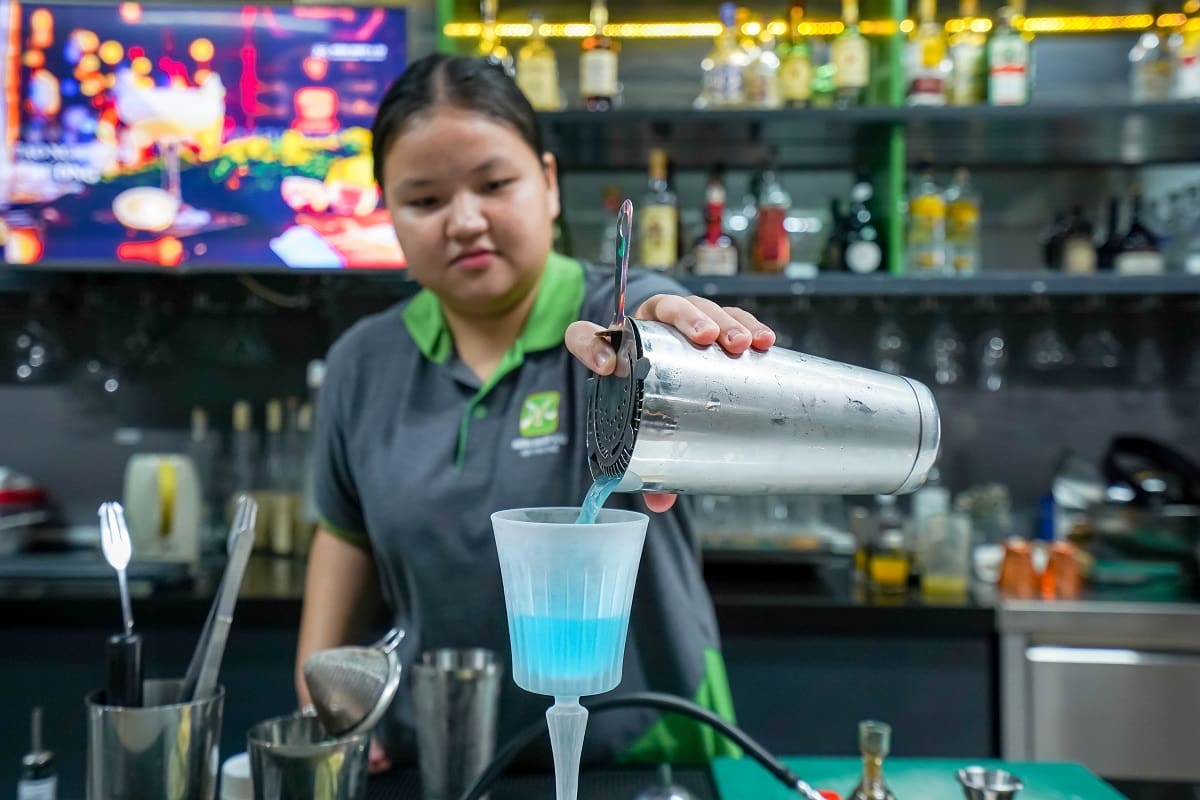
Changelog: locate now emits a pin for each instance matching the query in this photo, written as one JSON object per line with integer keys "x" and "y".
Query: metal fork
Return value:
{"x": 114, "y": 540}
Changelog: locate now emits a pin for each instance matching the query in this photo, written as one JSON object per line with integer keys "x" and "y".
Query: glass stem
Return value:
{"x": 567, "y": 721}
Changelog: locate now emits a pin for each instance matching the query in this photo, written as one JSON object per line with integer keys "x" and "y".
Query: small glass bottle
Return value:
{"x": 968, "y": 83}
{"x": 537, "y": 69}
{"x": 1150, "y": 67}
{"x": 874, "y": 740}
{"x": 852, "y": 59}
{"x": 962, "y": 224}
{"x": 1009, "y": 61}
{"x": 926, "y": 245}
{"x": 657, "y": 223}
{"x": 715, "y": 252}
{"x": 723, "y": 69}
{"x": 39, "y": 779}
{"x": 772, "y": 245}
{"x": 928, "y": 66}
{"x": 795, "y": 61}
{"x": 598, "y": 63}
{"x": 489, "y": 46}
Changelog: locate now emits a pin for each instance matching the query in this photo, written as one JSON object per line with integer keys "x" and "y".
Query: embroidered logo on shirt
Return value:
{"x": 539, "y": 414}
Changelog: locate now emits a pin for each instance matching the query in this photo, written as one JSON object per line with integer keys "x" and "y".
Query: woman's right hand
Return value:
{"x": 377, "y": 760}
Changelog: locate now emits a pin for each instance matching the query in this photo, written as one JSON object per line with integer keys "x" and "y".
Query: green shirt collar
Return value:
{"x": 558, "y": 303}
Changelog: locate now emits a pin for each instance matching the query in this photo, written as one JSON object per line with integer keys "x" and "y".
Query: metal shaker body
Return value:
{"x": 677, "y": 417}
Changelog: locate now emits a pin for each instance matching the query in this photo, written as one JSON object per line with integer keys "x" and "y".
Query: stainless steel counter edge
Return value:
{"x": 1107, "y": 618}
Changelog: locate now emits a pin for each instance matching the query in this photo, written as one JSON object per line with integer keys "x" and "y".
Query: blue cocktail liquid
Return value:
{"x": 568, "y": 649}
{"x": 596, "y": 498}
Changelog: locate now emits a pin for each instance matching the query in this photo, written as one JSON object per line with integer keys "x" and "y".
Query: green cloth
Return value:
{"x": 915, "y": 778}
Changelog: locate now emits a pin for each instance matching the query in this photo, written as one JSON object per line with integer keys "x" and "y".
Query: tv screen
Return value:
{"x": 199, "y": 136}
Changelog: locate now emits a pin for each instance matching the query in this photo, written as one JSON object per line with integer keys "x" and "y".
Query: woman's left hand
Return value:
{"x": 698, "y": 318}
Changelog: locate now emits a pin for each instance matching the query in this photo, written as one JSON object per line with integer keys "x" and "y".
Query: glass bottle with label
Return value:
{"x": 750, "y": 52}
{"x": 862, "y": 253}
{"x": 772, "y": 246}
{"x": 723, "y": 68}
{"x": 968, "y": 82}
{"x": 537, "y": 69}
{"x": 658, "y": 218}
{"x": 824, "y": 79}
{"x": 489, "y": 46}
{"x": 1150, "y": 74}
{"x": 1079, "y": 244}
{"x": 928, "y": 66}
{"x": 598, "y": 63}
{"x": 962, "y": 224}
{"x": 715, "y": 252}
{"x": 795, "y": 61}
{"x": 926, "y": 245}
{"x": 874, "y": 741}
{"x": 1186, "y": 52}
{"x": 851, "y": 58}
{"x": 765, "y": 86}
{"x": 1008, "y": 57}
{"x": 1106, "y": 255}
{"x": 1140, "y": 252}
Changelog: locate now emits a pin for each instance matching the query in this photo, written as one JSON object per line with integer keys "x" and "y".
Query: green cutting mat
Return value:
{"x": 909, "y": 779}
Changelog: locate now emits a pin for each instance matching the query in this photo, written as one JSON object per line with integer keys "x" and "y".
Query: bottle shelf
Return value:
{"x": 1014, "y": 284}
{"x": 1115, "y": 134}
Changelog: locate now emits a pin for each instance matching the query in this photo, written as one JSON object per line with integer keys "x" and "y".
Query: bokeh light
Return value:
{"x": 201, "y": 50}
{"x": 141, "y": 66}
{"x": 111, "y": 52}
{"x": 131, "y": 13}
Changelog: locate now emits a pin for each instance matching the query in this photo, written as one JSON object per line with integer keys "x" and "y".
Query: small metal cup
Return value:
{"x": 982, "y": 783}
{"x": 456, "y": 694}
{"x": 292, "y": 758}
{"x": 160, "y": 749}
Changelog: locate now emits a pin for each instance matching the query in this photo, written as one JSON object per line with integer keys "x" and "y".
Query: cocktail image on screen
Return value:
{"x": 203, "y": 136}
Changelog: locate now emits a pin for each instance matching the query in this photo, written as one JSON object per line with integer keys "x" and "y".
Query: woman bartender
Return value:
{"x": 464, "y": 400}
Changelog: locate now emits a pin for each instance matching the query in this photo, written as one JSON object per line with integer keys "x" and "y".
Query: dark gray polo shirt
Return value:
{"x": 413, "y": 454}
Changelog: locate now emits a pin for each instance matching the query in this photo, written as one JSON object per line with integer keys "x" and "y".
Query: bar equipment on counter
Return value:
{"x": 201, "y": 677}
{"x": 456, "y": 698}
{"x": 294, "y": 758}
{"x": 38, "y": 780}
{"x": 666, "y": 788}
{"x": 776, "y": 421}
{"x": 351, "y": 687}
{"x": 22, "y": 505}
{"x": 162, "y": 749}
{"x": 164, "y": 502}
{"x": 124, "y": 654}
{"x": 981, "y": 783}
{"x": 874, "y": 740}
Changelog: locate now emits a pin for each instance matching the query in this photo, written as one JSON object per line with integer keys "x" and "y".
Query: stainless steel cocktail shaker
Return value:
{"x": 676, "y": 417}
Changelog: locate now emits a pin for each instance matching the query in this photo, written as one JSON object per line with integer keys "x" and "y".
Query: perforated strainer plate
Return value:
{"x": 615, "y": 409}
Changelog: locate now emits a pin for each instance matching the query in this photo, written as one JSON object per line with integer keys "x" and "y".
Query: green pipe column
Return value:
{"x": 897, "y": 152}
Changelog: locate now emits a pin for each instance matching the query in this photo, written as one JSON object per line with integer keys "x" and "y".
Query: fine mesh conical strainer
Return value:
{"x": 352, "y": 687}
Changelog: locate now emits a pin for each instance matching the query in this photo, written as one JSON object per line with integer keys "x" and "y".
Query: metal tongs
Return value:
{"x": 201, "y": 678}
{"x": 624, "y": 236}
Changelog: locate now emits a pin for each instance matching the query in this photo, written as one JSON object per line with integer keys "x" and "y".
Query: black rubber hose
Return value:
{"x": 664, "y": 702}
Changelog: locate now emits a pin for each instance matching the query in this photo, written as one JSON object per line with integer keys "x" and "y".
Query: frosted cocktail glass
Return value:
{"x": 568, "y": 588}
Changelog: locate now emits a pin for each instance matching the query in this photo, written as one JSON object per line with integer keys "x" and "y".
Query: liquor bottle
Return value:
{"x": 862, "y": 253}
{"x": 1186, "y": 52}
{"x": 715, "y": 252}
{"x": 1150, "y": 73}
{"x": 795, "y": 61}
{"x": 202, "y": 449}
{"x": 963, "y": 218}
{"x": 1140, "y": 252}
{"x": 968, "y": 54}
{"x": 1106, "y": 254}
{"x": 1079, "y": 245}
{"x": 724, "y": 67}
{"x": 851, "y": 58}
{"x": 607, "y": 256}
{"x": 765, "y": 86}
{"x": 1008, "y": 57}
{"x": 659, "y": 218}
{"x": 926, "y": 245}
{"x": 928, "y": 66}
{"x": 824, "y": 79}
{"x": 772, "y": 247}
{"x": 834, "y": 254}
{"x": 874, "y": 741}
{"x": 489, "y": 46}
{"x": 749, "y": 53}
{"x": 537, "y": 69}
{"x": 598, "y": 63}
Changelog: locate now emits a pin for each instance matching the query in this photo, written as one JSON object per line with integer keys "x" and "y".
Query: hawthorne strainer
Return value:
{"x": 351, "y": 687}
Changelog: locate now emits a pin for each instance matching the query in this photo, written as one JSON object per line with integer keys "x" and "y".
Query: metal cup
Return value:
{"x": 981, "y": 783}
{"x": 675, "y": 417}
{"x": 292, "y": 758}
{"x": 160, "y": 749}
{"x": 456, "y": 695}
